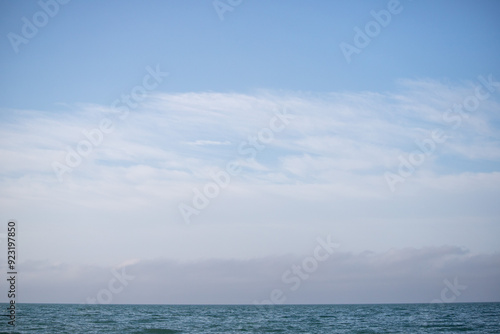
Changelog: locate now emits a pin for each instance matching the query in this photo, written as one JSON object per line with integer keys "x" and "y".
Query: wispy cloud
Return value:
{"x": 326, "y": 168}
{"x": 338, "y": 131}
{"x": 208, "y": 142}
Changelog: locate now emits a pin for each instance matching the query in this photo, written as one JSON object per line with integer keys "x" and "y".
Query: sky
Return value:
{"x": 232, "y": 151}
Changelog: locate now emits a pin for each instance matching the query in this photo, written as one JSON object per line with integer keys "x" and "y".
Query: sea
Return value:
{"x": 384, "y": 318}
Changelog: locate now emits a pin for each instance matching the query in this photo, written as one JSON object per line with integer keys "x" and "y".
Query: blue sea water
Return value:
{"x": 384, "y": 318}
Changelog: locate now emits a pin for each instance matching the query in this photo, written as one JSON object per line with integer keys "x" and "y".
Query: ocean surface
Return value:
{"x": 385, "y": 318}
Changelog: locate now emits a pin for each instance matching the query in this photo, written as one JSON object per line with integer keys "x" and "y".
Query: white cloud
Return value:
{"x": 323, "y": 171}
{"x": 209, "y": 142}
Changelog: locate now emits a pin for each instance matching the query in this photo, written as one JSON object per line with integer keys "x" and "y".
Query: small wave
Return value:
{"x": 160, "y": 331}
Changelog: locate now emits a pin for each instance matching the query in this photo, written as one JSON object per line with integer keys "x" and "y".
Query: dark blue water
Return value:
{"x": 396, "y": 318}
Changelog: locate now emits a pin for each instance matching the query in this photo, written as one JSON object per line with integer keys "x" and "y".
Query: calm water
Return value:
{"x": 400, "y": 318}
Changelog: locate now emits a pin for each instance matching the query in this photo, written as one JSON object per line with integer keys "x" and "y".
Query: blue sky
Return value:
{"x": 94, "y": 51}
{"x": 116, "y": 115}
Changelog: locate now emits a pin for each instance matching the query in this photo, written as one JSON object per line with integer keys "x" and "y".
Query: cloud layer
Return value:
{"x": 321, "y": 170}
{"x": 440, "y": 274}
